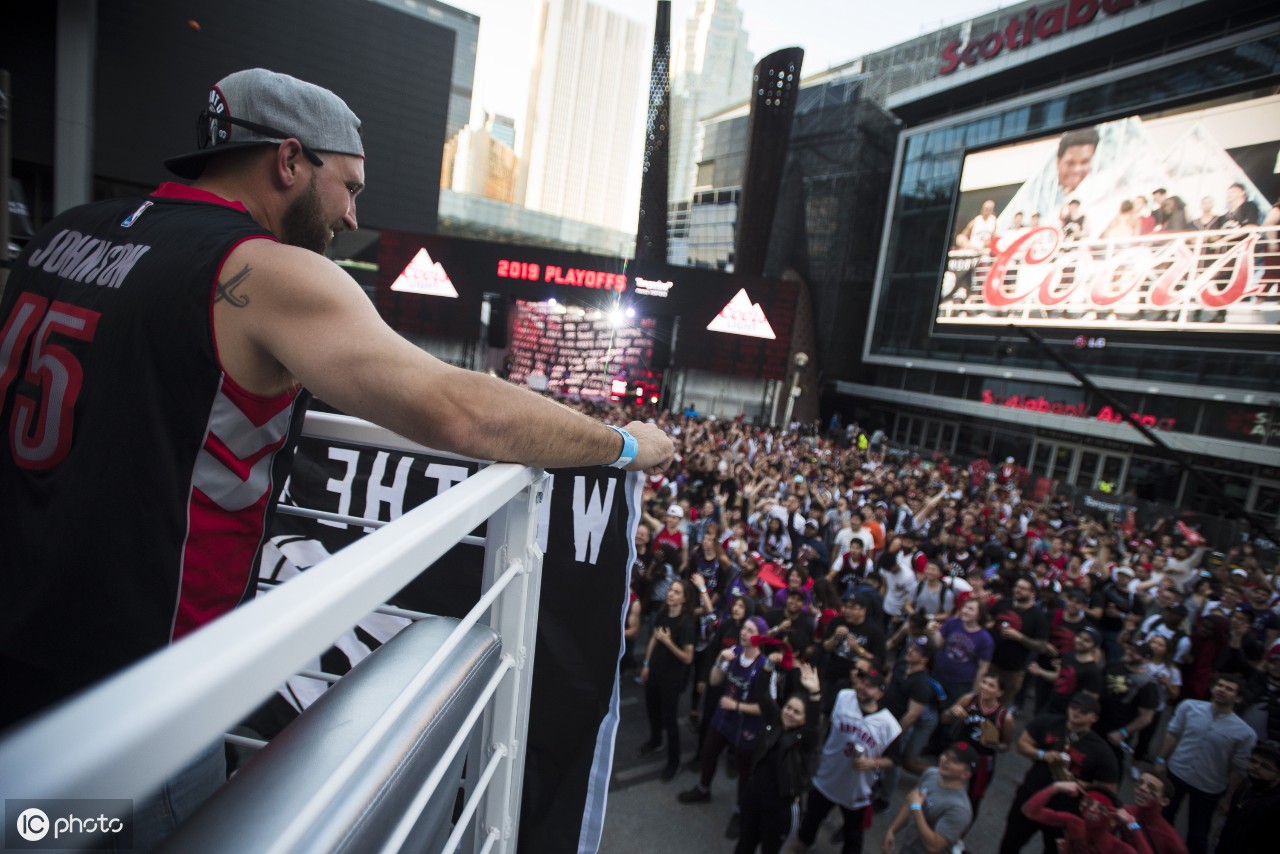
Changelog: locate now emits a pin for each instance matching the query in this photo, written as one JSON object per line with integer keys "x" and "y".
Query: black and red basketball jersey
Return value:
{"x": 136, "y": 477}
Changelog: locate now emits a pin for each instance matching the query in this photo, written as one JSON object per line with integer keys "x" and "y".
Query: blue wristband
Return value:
{"x": 630, "y": 449}
{"x": 915, "y": 808}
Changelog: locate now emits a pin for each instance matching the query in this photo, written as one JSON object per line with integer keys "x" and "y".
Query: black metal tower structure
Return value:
{"x": 651, "y": 230}
{"x": 775, "y": 87}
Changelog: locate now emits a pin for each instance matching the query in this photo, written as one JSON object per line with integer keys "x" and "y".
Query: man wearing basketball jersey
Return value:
{"x": 156, "y": 358}
{"x": 852, "y": 760}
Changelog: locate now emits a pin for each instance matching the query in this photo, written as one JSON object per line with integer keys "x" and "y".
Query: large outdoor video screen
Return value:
{"x": 1157, "y": 222}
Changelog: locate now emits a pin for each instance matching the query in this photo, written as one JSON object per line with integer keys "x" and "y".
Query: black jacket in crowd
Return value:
{"x": 785, "y": 756}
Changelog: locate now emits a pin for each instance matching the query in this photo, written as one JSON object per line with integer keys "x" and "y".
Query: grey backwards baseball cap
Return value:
{"x": 260, "y": 107}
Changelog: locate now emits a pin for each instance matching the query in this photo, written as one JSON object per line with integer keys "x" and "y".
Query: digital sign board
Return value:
{"x": 581, "y": 353}
{"x": 1156, "y": 223}
{"x": 433, "y": 286}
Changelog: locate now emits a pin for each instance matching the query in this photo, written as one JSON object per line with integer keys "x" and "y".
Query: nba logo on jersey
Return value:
{"x": 133, "y": 217}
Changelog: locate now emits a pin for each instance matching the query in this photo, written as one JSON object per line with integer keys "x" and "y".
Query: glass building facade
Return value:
{"x": 1214, "y": 398}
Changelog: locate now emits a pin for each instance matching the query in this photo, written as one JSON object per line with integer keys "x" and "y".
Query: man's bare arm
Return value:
{"x": 302, "y": 317}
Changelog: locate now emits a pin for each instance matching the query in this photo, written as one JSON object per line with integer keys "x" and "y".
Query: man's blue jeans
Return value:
{"x": 158, "y": 815}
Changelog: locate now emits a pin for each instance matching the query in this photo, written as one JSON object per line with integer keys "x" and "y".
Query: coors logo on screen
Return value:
{"x": 1157, "y": 223}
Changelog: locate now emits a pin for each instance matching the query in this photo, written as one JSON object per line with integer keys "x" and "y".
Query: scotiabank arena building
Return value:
{"x": 1101, "y": 175}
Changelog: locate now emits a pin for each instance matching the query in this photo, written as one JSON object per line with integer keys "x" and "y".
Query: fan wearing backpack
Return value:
{"x": 934, "y": 595}
{"x": 914, "y": 699}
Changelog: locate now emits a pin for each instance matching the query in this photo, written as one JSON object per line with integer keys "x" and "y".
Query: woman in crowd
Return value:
{"x": 711, "y": 572}
{"x": 659, "y": 574}
{"x": 736, "y": 722}
{"x": 776, "y": 542}
{"x": 1160, "y": 667}
{"x": 824, "y": 605}
{"x": 710, "y": 561}
{"x": 705, "y": 620}
{"x": 725, "y": 636}
{"x": 666, "y": 671}
{"x": 964, "y": 650}
{"x": 781, "y": 762}
{"x": 738, "y": 542}
{"x": 797, "y": 579}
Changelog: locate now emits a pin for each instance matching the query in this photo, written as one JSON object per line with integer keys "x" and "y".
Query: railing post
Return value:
{"x": 512, "y": 536}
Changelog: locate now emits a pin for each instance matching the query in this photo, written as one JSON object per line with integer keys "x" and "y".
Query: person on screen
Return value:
{"x": 1241, "y": 213}
{"x": 1075, "y": 157}
{"x": 1173, "y": 213}
{"x": 1064, "y": 177}
{"x": 1158, "y": 196}
{"x": 1039, "y": 241}
{"x": 980, "y": 230}
{"x": 1146, "y": 219}
{"x": 1126, "y": 222}
{"x": 1208, "y": 220}
{"x": 1073, "y": 221}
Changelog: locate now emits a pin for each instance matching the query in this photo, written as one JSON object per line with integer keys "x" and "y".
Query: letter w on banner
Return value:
{"x": 587, "y": 534}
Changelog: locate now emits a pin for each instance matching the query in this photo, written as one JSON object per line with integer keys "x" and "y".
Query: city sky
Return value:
{"x": 830, "y": 31}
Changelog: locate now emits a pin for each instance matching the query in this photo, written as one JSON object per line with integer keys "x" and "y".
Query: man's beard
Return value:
{"x": 303, "y": 223}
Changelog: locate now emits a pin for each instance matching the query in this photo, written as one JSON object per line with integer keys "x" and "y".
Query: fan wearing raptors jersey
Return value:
{"x": 156, "y": 359}
{"x": 852, "y": 760}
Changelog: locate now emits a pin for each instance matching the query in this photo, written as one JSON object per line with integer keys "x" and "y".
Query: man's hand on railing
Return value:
{"x": 655, "y": 449}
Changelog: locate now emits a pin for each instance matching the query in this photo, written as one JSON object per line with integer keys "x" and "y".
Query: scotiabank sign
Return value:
{"x": 1033, "y": 403}
{"x": 1257, "y": 425}
{"x": 1035, "y": 23}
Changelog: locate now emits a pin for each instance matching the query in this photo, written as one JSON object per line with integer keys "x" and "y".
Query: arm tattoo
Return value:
{"x": 226, "y": 290}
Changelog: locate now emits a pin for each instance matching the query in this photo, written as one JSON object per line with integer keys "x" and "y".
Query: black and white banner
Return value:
{"x": 586, "y": 533}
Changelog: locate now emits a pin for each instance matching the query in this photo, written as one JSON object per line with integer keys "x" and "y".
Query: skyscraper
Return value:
{"x": 582, "y": 129}
{"x": 502, "y": 128}
{"x": 478, "y": 162}
{"x": 711, "y": 70}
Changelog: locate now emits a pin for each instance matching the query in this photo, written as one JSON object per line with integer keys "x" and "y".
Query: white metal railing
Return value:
{"x": 109, "y": 742}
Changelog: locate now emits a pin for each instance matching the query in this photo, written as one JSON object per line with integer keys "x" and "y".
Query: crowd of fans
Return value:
{"x": 846, "y": 615}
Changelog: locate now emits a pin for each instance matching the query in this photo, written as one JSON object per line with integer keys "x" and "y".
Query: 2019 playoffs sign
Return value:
{"x": 587, "y": 536}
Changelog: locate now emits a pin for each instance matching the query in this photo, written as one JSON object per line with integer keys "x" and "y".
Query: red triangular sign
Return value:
{"x": 424, "y": 276}
{"x": 742, "y": 317}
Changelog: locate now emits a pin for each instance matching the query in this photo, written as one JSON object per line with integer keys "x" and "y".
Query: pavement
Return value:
{"x": 643, "y": 815}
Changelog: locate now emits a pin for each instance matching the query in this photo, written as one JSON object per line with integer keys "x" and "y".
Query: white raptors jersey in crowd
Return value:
{"x": 853, "y": 735}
